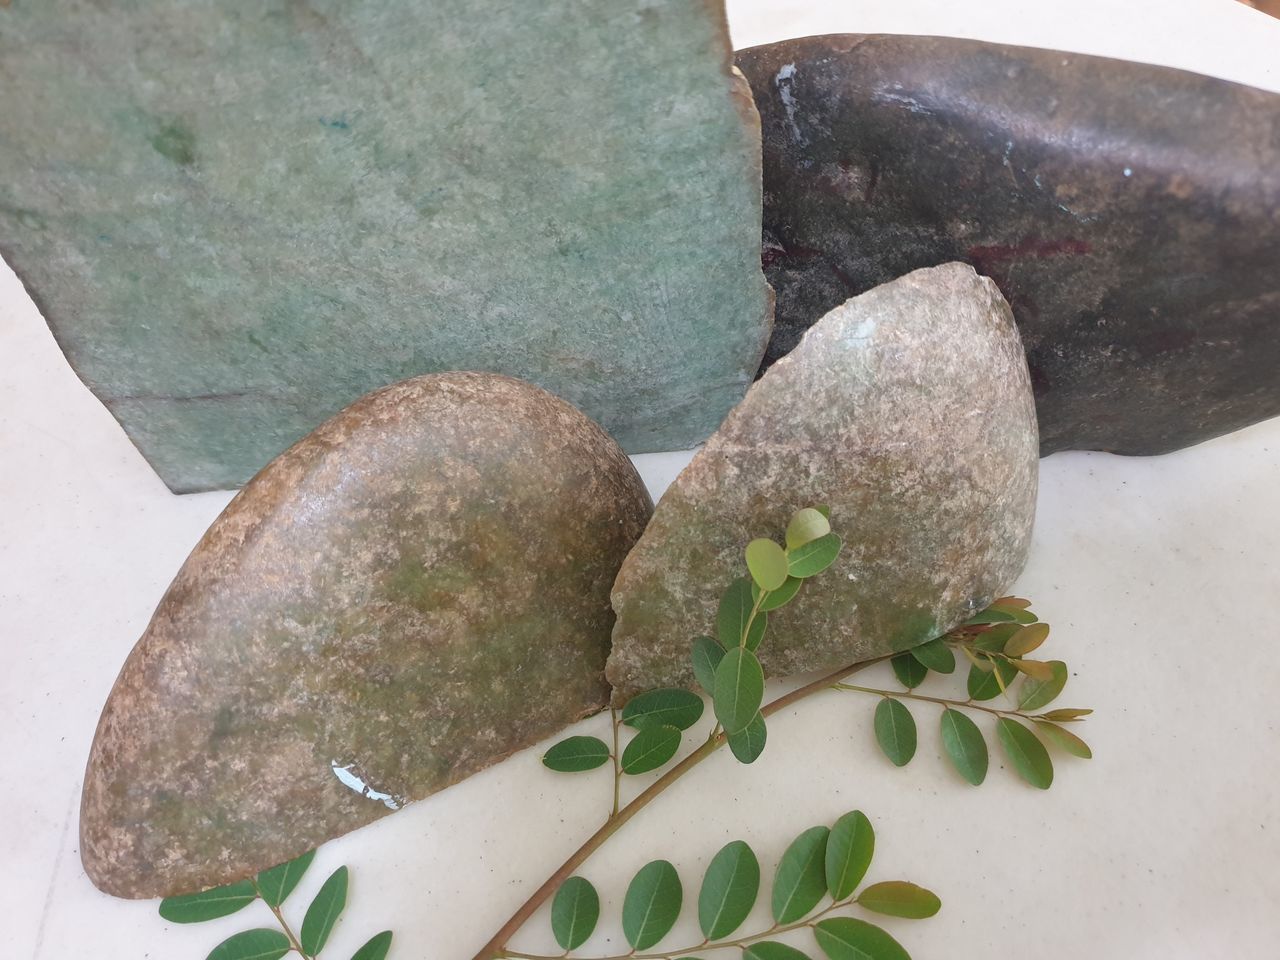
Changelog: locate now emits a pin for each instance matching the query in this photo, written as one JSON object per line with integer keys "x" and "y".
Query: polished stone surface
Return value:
{"x": 414, "y": 591}
{"x": 908, "y": 411}
{"x": 238, "y": 218}
{"x": 1129, "y": 213}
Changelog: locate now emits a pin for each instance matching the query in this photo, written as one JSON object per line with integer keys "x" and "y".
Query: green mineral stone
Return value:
{"x": 239, "y": 217}
{"x": 908, "y": 410}
{"x": 411, "y": 593}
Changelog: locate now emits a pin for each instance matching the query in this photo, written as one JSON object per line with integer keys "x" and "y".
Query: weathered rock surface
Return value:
{"x": 409, "y": 594}
{"x": 238, "y": 219}
{"x": 907, "y": 410}
{"x": 1129, "y": 213}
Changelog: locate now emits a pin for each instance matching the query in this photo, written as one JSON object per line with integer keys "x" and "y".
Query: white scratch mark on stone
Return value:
{"x": 352, "y": 780}
{"x": 1128, "y": 171}
{"x": 785, "y": 81}
{"x": 911, "y": 103}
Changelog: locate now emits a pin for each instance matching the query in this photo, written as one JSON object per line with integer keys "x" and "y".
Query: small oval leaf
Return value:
{"x": 323, "y": 913}
{"x": 729, "y": 890}
{"x": 989, "y": 615}
{"x": 1039, "y": 691}
{"x": 985, "y": 685}
{"x": 964, "y": 744}
{"x": 277, "y": 883}
{"x": 376, "y": 948}
{"x": 574, "y": 912}
{"x": 849, "y": 851}
{"x": 252, "y": 945}
{"x": 897, "y": 898}
{"x": 848, "y": 938}
{"x": 1026, "y": 753}
{"x": 734, "y": 612}
{"x": 935, "y": 655}
{"x": 1035, "y": 669}
{"x": 782, "y": 595}
{"x": 993, "y": 640}
{"x": 767, "y": 563}
{"x": 1027, "y": 638}
{"x": 1064, "y": 714}
{"x": 813, "y": 557}
{"x": 652, "y": 904}
{"x": 772, "y": 950}
{"x": 658, "y": 708}
{"x": 706, "y": 656}
{"x": 909, "y": 671}
{"x": 748, "y": 744}
{"x": 895, "y": 731}
{"x": 209, "y": 905}
{"x": 739, "y": 689}
{"x": 650, "y": 749}
{"x": 575, "y": 754}
{"x": 806, "y": 526}
{"x": 1065, "y": 740}
{"x": 801, "y": 879}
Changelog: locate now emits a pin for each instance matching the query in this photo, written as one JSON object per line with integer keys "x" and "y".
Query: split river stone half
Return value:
{"x": 238, "y": 218}
{"x": 907, "y": 410}
{"x": 411, "y": 593}
{"x": 1129, "y": 213}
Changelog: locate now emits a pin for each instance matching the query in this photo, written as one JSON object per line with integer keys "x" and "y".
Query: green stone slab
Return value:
{"x": 908, "y": 410}
{"x": 411, "y": 593}
{"x": 239, "y": 217}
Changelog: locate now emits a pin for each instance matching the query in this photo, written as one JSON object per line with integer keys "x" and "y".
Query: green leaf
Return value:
{"x": 847, "y": 938}
{"x": 1026, "y": 639}
{"x": 823, "y": 509}
{"x": 1035, "y": 669}
{"x": 1064, "y": 739}
{"x": 897, "y": 898}
{"x": 650, "y": 749}
{"x": 801, "y": 879}
{"x": 734, "y": 612}
{"x": 1038, "y": 693}
{"x": 909, "y": 671}
{"x": 1026, "y": 753}
{"x": 209, "y": 905}
{"x": 748, "y": 744}
{"x": 652, "y": 904}
{"x": 706, "y": 656}
{"x": 277, "y": 883}
{"x": 895, "y": 731}
{"x": 988, "y": 686}
{"x": 963, "y": 742}
{"x": 935, "y": 655}
{"x": 767, "y": 563}
{"x": 739, "y": 689}
{"x": 806, "y": 526}
{"x": 782, "y": 595}
{"x": 252, "y": 945}
{"x": 755, "y": 633}
{"x": 772, "y": 950}
{"x": 849, "y": 850}
{"x": 376, "y": 948}
{"x": 814, "y": 557}
{"x": 1064, "y": 714}
{"x": 323, "y": 913}
{"x": 990, "y": 615}
{"x": 729, "y": 890}
{"x": 656, "y": 708}
{"x": 574, "y": 912}
{"x": 576, "y": 754}
{"x": 993, "y": 640}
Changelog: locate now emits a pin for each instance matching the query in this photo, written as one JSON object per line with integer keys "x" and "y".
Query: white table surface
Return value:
{"x": 1159, "y": 575}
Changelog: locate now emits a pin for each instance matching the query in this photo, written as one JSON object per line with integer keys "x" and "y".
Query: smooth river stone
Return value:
{"x": 238, "y": 218}
{"x": 1129, "y": 213}
{"x": 408, "y": 595}
{"x": 908, "y": 411}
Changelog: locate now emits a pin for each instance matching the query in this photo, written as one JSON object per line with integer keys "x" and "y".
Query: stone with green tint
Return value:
{"x": 909, "y": 411}
{"x": 411, "y": 593}
{"x": 238, "y": 217}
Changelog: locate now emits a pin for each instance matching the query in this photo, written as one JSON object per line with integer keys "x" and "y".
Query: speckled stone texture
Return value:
{"x": 411, "y": 593}
{"x": 238, "y": 218}
{"x": 1129, "y": 213}
{"x": 907, "y": 410}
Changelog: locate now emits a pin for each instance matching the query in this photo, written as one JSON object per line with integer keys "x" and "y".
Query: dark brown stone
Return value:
{"x": 410, "y": 593}
{"x": 1129, "y": 213}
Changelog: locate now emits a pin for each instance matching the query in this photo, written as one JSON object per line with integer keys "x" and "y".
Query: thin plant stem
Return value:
{"x": 908, "y": 695}
{"x": 617, "y": 765}
{"x": 496, "y": 946}
{"x": 294, "y": 943}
